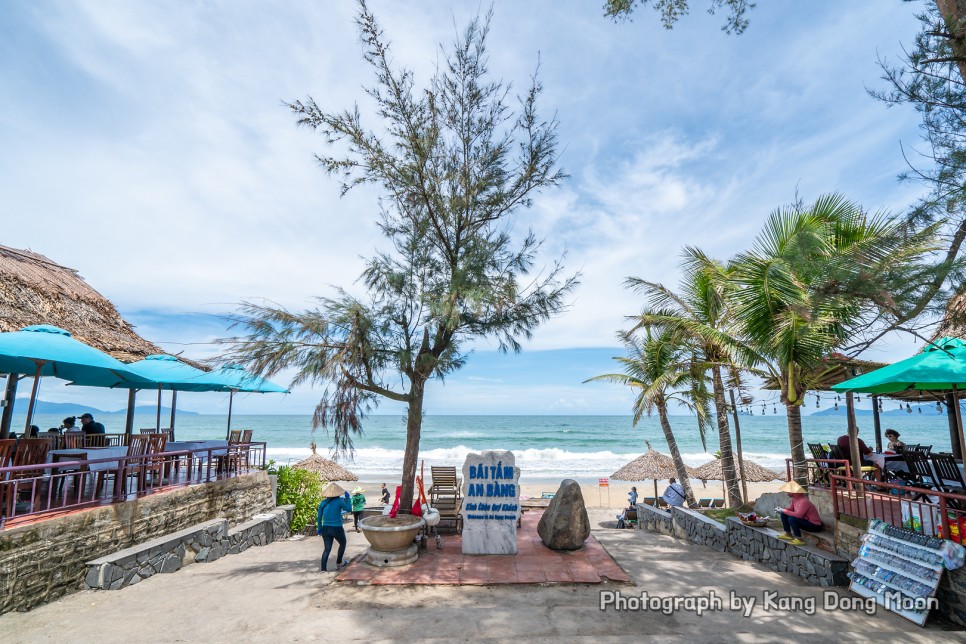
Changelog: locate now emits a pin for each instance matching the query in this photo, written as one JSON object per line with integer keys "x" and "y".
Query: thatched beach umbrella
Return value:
{"x": 326, "y": 469}
{"x": 754, "y": 473}
{"x": 651, "y": 465}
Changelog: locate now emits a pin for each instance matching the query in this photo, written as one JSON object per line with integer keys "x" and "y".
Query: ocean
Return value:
{"x": 546, "y": 447}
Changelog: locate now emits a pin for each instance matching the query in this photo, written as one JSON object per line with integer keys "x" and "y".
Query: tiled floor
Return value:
{"x": 534, "y": 563}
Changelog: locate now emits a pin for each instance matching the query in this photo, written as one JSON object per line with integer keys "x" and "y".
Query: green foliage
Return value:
{"x": 672, "y": 10}
{"x": 301, "y": 489}
{"x": 455, "y": 162}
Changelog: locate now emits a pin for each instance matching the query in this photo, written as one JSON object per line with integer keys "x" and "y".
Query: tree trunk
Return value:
{"x": 953, "y": 12}
{"x": 672, "y": 446}
{"x": 414, "y": 426}
{"x": 796, "y": 441}
{"x": 724, "y": 441}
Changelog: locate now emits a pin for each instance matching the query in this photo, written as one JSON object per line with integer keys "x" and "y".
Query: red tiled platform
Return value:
{"x": 534, "y": 563}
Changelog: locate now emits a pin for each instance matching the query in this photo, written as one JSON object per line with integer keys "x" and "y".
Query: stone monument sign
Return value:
{"x": 491, "y": 503}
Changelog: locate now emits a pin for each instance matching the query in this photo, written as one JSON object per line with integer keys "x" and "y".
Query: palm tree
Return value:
{"x": 658, "y": 367}
{"x": 699, "y": 314}
{"x": 816, "y": 277}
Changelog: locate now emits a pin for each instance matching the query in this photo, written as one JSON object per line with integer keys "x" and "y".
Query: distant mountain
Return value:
{"x": 74, "y": 409}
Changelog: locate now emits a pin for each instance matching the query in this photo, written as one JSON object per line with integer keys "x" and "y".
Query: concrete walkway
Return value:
{"x": 276, "y": 593}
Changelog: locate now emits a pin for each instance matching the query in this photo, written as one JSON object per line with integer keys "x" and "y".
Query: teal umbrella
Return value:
{"x": 940, "y": 367}
{"x": 169, "y": 374}
{"x": 234, "y": 378}
{"x": 44, "y": 350}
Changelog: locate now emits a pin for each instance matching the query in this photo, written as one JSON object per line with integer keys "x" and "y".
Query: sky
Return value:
{"x": 147, "y": 146}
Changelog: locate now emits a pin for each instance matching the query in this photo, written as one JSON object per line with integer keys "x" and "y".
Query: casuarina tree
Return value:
{"x": 457, "y": 162}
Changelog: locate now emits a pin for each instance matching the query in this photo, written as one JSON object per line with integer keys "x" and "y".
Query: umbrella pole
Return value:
{"x": 959, "y": 424}
{"x": 955, "y": 445}
{"x": 158, "y": 418}
{"x": 655, "y": 493}
{"x": 231, "y": 398}
{"x": 876, "y": 423}
{"x": 129, "y": 421}
{"x": 33, "y": 398}
{"x": 174, "y": 406}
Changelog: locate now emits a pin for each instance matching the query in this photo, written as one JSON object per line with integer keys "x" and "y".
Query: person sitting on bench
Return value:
{"x": 800, "y": 514}
{"x": 674, "y": 494}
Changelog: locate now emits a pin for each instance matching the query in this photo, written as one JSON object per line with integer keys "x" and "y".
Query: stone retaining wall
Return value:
{"x": 46, "y": 560}
{"x": 654, "y": 520}
{"x": 202, "y": 543}
{"x": 815, "y": 566}
{"x": 695, "y": 527}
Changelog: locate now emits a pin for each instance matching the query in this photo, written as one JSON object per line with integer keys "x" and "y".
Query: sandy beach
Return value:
{"x": 612, "y": 496}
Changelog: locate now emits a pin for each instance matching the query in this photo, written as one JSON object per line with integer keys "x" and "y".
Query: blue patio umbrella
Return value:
{"x": 44, "y": 350}
{"x": 166, "y": 373}
{"x": 235, "y": 378}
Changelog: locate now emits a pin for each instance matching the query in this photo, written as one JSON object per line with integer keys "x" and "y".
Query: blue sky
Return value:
{"x": 146, "y": 145}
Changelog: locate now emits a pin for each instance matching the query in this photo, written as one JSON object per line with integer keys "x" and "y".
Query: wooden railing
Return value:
{"x": 37, "y": 489}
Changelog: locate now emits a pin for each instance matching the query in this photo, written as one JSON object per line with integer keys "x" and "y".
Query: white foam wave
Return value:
{"x": 534, "y": 463}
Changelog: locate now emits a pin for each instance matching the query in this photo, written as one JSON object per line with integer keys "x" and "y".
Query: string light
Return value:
{"x": 836, "y": 406}
{"x": 908, "y": 408}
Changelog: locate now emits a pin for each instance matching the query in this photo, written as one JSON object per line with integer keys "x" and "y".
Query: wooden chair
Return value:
{"x": 7, "y": 448}
{"x": 75, "y": 440}
{"x": 920, "y": 474}
{"x": 234, "y": 436}
{"x": 239, "y": 455}
{"x": 866, "y": 471}
{"x": 29, "y": 451}
{"x": 947, "y": 472}
{"x": 445, "y": 482}
{"x": 924, "y": 449}
{"x": 821, "y": 472}
{"x": 96, "y": 440}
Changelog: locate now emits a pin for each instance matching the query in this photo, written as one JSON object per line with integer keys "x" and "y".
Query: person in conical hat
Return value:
{"x": 800, "y": 514}
{"x": 329, "y": 522}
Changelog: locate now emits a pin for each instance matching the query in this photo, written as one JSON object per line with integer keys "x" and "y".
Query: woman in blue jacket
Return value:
{"x": 329, "y": 522}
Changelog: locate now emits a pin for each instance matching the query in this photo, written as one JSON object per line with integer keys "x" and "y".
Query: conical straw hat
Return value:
{"x": 332, "y": 490}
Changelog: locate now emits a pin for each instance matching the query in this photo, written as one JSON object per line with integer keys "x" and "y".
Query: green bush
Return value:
{"x": 301, "y": 489}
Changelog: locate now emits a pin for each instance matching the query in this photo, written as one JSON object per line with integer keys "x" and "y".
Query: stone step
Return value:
{"x": 200, "y": 543}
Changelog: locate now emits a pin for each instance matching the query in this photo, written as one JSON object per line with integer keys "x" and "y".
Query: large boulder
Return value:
{"x": 564, "y": 524}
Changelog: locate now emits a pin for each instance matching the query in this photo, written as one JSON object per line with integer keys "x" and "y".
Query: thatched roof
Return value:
{"x": 754, "y": 473}
{"x": 954, "y": 319}
{"x": 35, "y": 290}
{"x": 651, "y": 465}
{"x": 835, "y": 368}
{"x": 326, "y": 469}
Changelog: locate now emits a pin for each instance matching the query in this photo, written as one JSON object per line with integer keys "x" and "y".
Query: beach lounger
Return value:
{"x": 547, "y": 495}
{"x": 445, "y": 483}
{"x": 704, "y": 503}
{"x": 717, "y": 503}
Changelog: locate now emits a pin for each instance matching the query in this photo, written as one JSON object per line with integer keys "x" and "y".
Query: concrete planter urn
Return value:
{"x": 391, "y": 539}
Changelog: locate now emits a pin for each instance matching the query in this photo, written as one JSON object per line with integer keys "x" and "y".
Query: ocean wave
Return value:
{"x": 533, "y": 462}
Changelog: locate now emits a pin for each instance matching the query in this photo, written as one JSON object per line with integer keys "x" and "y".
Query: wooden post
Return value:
{"x": 33, "y": 398}
{"x": 856, "y": 461}
{"x": 174, "y": 406}
{"x": 9, "y": 396}
{"x": 129, "y": 421}
{"x": 951, "y": 402}
{"x": 158, "y": 419}
{"x": 231, "y": 398}
{"x": 876, "y": 425}
{"x": 959, "y": 425}
{"x": 741, "y": 456}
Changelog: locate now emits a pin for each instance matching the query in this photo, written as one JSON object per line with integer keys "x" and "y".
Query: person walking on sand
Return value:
{"x": 329, "y": 523}
{"x": 358, "y": 505}
{"x": 386, "y": 499}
